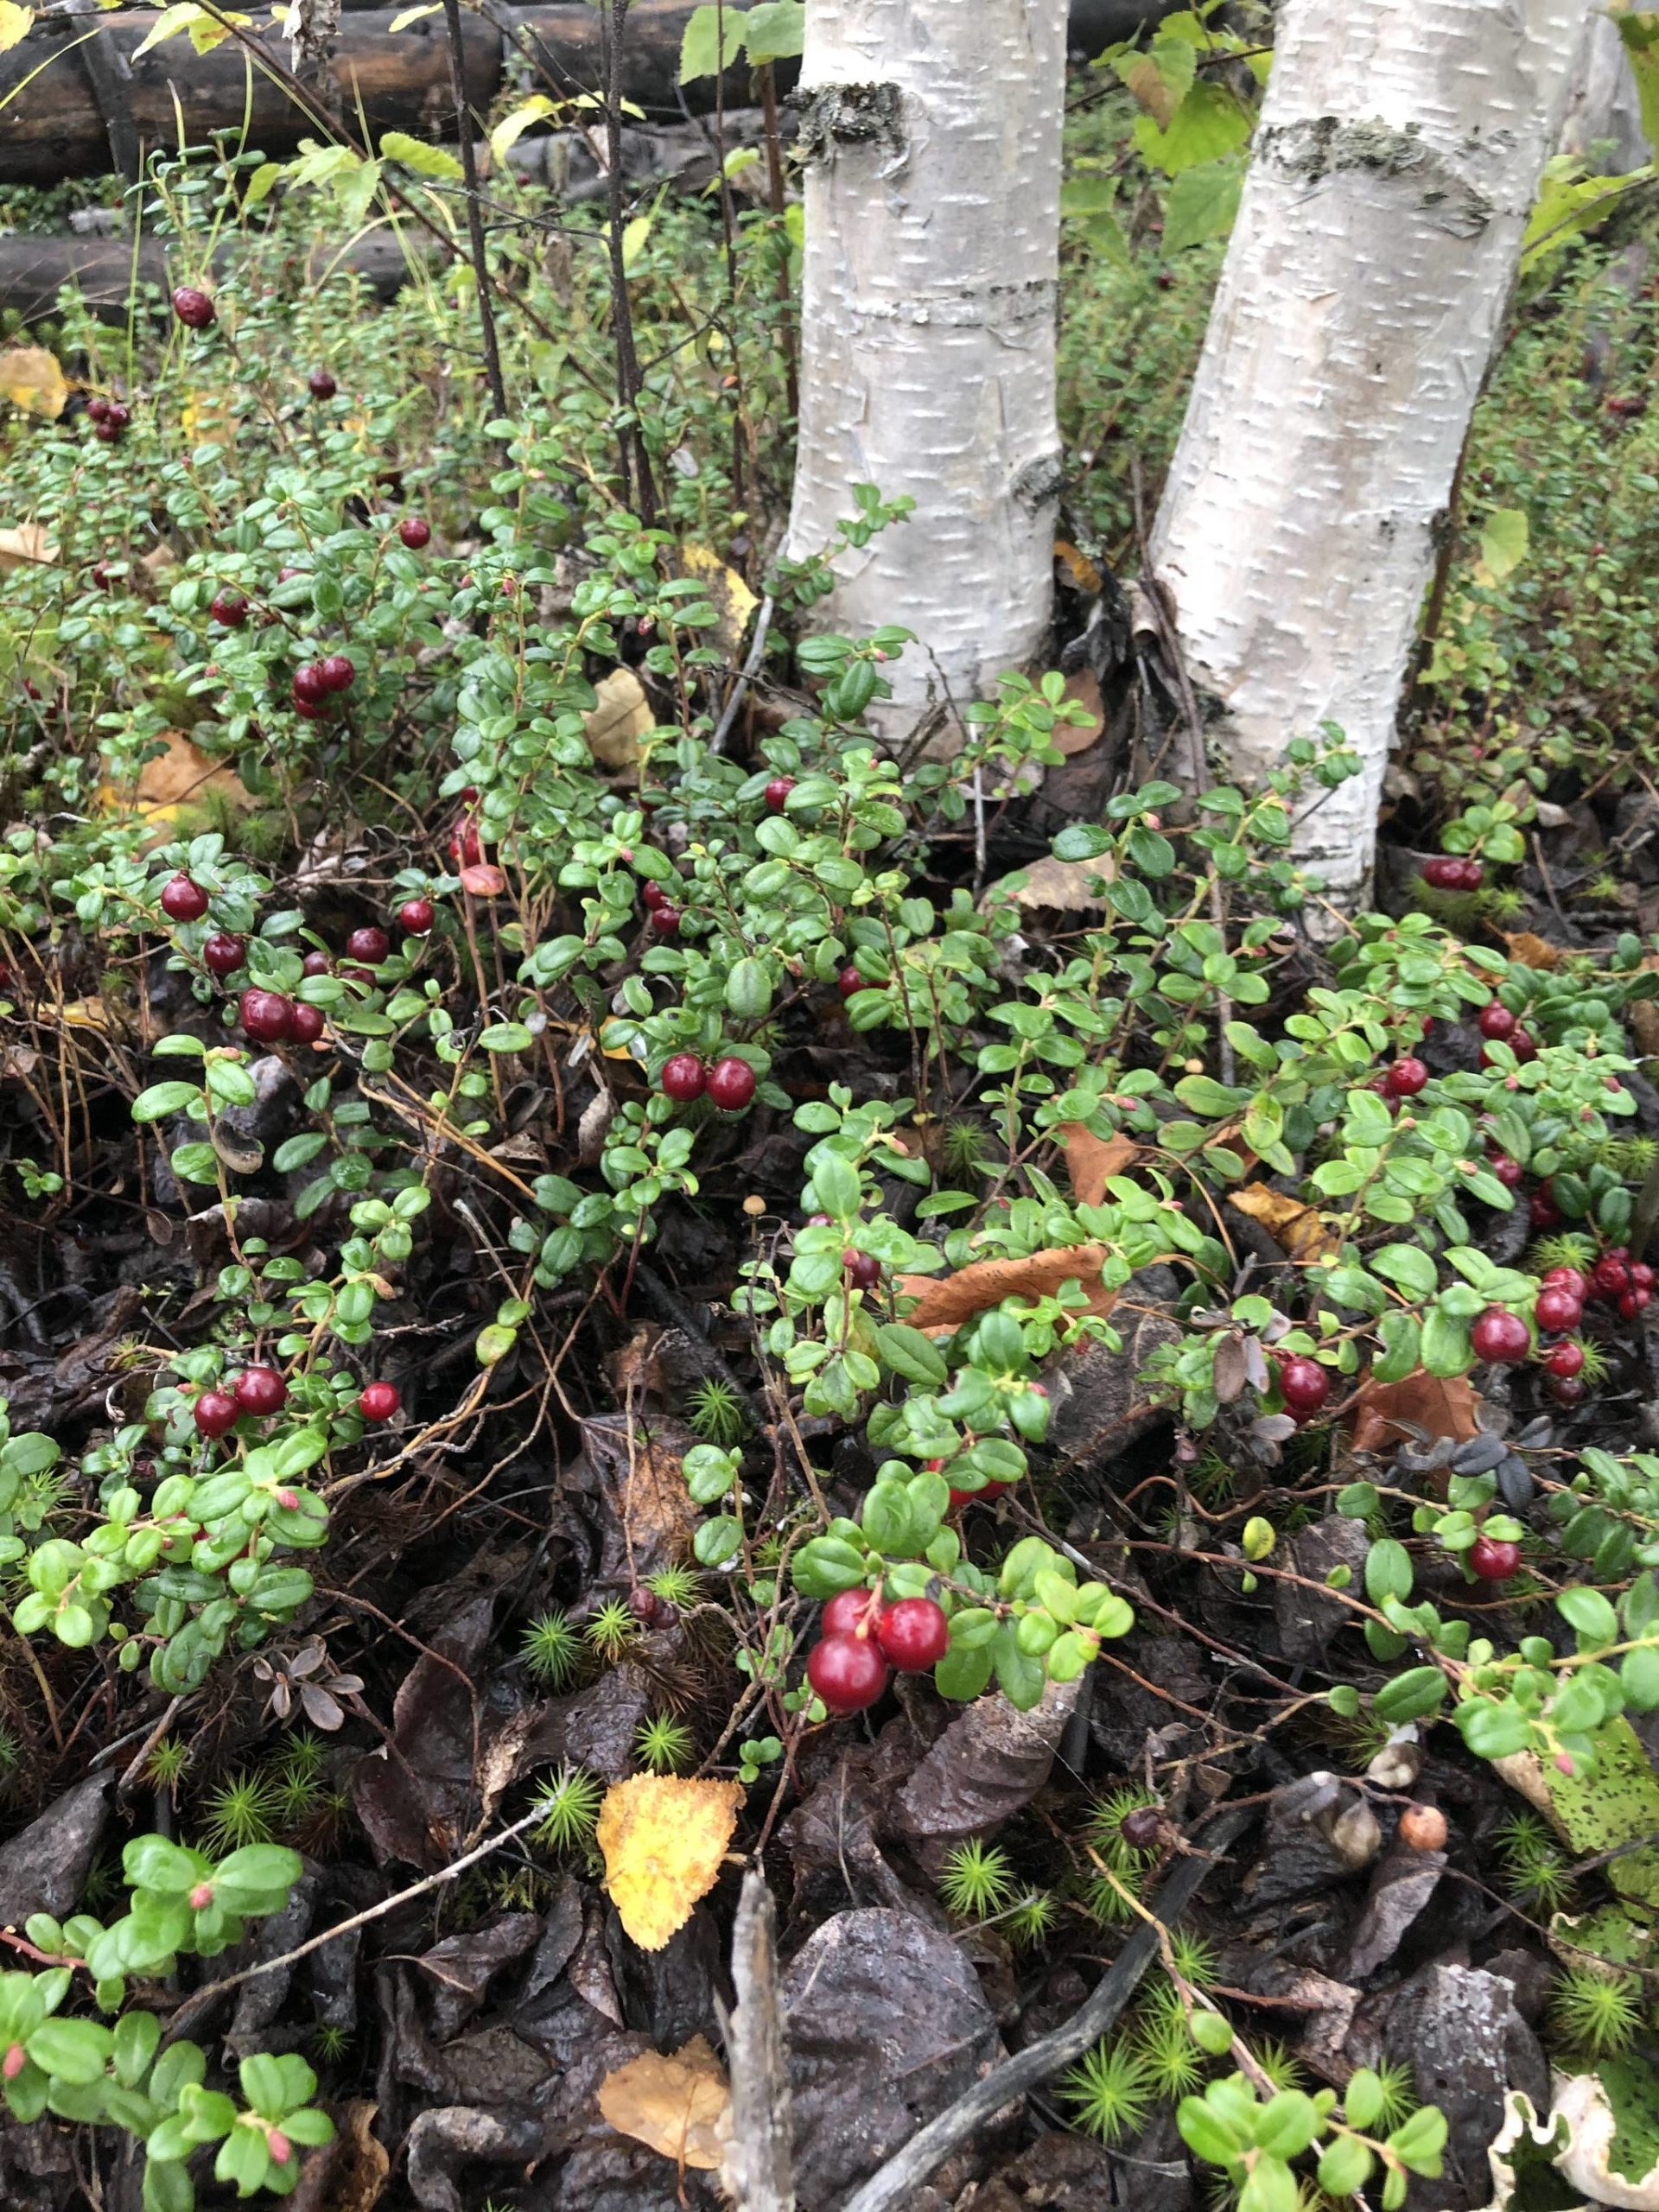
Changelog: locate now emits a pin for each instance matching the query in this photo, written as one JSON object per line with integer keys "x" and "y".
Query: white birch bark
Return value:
{"x": 1397, "y": 160}
{"x": 932, "y": 129}
{"x": 1603, "y": 111}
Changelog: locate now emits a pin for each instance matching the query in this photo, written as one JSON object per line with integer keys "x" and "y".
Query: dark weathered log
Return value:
{"x": 54, "y": 126}
{"x": 33, "y": 268}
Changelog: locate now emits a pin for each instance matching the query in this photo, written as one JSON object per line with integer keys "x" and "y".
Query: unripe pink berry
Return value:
{"x": 14, "y": 2062}
{"x": 201, "y": 1897}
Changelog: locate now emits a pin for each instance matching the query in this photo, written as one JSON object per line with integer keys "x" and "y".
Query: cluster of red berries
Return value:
{"x": 1447, "y": 873}
{"x": 1304, "y": 1385}
{"x": 260, "y": 1391}
{"x": 1498, "y": 1023}
{"x": 1622, "y": 1282}
{"x": 272, "y": 1018}
{"x": 109, "y": 419}
{"x": 663, "y": 915}
{"x": 317, "y": 683}
{"x": 192, "y": 306}
{"x": 729, "y": 1085}
{"x": 861, "y": 1638}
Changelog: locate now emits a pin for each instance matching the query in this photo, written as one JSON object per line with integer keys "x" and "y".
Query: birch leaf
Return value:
{"x": 512, "y": 128}
{"x": 29, "y": 375}
{"x": 700, "y": 49}
{"x": 415, "y": 153}
{"x": 674, "y": 2105}
{"x": 1298, "y": 1229}
{"x": 664, "y": 1840}
{"x": 1503, "y": 539}
{"x": 29, "y": 542}
{"x": 1203, "y": 202}
{"x": 1209, "y": 123}
{"x": 16, "y": 23}
{"x": 776, "y": 30}
{"x": 733, "y": 601}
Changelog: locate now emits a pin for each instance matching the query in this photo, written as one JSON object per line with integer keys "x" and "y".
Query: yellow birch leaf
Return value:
{"x": 29, "y": 375}
{"x": 733, "y": 601}
{"x": 673, "y": 2105}
{"x": 663, "y": 1839}
{"x": 16, "y": 24}
{"x": 1298, "y": 1229}
{"x": 183, "y": 776}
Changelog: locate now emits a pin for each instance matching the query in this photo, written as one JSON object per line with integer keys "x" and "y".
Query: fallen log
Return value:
{"x": 77, "y": 99}
{"x": 33, "y": 267}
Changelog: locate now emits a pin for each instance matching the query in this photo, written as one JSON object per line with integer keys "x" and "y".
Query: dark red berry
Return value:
{"x": 1141, "y": 1827}
{"x": 1564, "y": 1361}
{"x": 731, "y": 1085}
{"x": 851, "y": 1612}
{"x": 192, "y": 307}
{"x": 378, "y": 1400}
{"x": 1568, "y": 1390}
{"x": 665, "y": 920}
{"x": 847, "y": 1672}
{"x": 417, "y": 916}
{"x": 1407, "y": 1078}
{"x": 653, "y": 894}
{"x": 1303, "y": 1384}
{"x": 260, "y": 1391}
{"x": 1570, "y": 1279}
{"x": 683, "y": 1077}
{"x": 1642, "y": 1275}
{"x": 1632, "y": 1302}
{"x": 1542, "y": 1211}
{"x": 320, "y": 385}
{"x": 222, "y": 954}
{"x": 863, "y": 1270}
{"x": 777, "y": 792}
{"x": 1556, "y": 1309}
{"x": 309, "y": 688}
{"x": 414, "y": 532}
{"x": 1471, "y": 874}
{"x": 1612, "y": 1277}
{"x": 1501, "y": 1337}
{"x": 306, "y": 1023}
{"x": 229, "y": 609}
{"x": 336, "y": 672}
{"x": 97, "y": 409}
{"x": 216, "y": 1412}
{"x": 371, "y": 943}
{"x": 1496, "y": 1019}
{"x": 315, "y": 962}
{"x": 183, "y": 901}
{"x": 914, "y": 1634}
{"x": 267, "y": 1016}
{"x": 1522, "y": 1044}
{"x": 465, "y": 846}
{"x": 849, "y": 981}
{"x": 1508, "y": 1172}
{"x": 1443, "y": 871}
{"x": 643, "y": 1603}
{"x": 1493, "y": 1559}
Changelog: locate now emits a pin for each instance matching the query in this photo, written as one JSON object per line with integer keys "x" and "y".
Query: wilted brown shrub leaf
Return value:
{"x": 984, "y": 1283}
{"x": 1438, "y": 1405}
{"x": 674, "y": 2105}
{"x": 1092, "y": 1162}
{"x": 1296, "y": 1229}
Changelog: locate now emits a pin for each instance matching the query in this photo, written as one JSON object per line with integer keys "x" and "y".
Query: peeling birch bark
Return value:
{"x": 932, "y": 132}
{"x": 1397, "y": 160}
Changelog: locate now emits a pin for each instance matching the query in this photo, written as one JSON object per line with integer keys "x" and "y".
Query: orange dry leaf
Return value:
{"x": 674, "y": 2105}
{"x": 1092, "y": 1162}
{"x": 182, "y": 776}
{"x": 1438, "y": 1405}
{"x": 663, "y": 1840}
{"x": 1081, "y": 569}
{"x": 1296, "y": 1229}
{"x": 1532, "y": 951}
{"x": 984, "y": 1283}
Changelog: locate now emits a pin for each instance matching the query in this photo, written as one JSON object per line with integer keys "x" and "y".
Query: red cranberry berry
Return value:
{"x": 1542, "y": 1211}
{"x": 414, "y": 532}
{"x": 851, "y": 1612}
{"x": 1569, "y": 1389}
{"x": 1493, "y": 1559}
{"x": 229, "y": 609}
{"x": 731, "y": 1085}
{"x": 914, "y": 1634}
{"x": 216, "y": 1412}
{"x": 1613, "y": 1276}
{"x": 863, "y": 1270}
{"x": 97, "y": 409}
{"x": 1570, "y": 1279}
{"x": 267, "y": 1016}
{"x": 665, "y": 920}
{"x": 371, "y": 943}
{"x": 1642, "y": 1275}
{"x": 337, "y": 671}
{"x": 1471, "y": 874}
{"x": 306, "y": 1023}
{"x": 653, "y": 894}
{"x": 1407, "y": 1078}
{"x": 260, "y": 1390}
{"x": 1508, "y": 1172}
{"x": 192, "y": 307}
{"x": 1564, "y": 1361}
{"x": 1501, "y": 1337}
{"x": 465, "y": 846}
{"x": 320, "y": 385}
{"x": 1496, "y": 1019}
{"x": 777, "y": 792}
{"x": 309, "y": 688}
{"x": 1556, "y": 1309}
{"x": 847, "y": 1672}
{"x": 222, "y": 954}
{"x": 1304, "y": 1385}
{"x": 183, "y": 901}
{"x": 849, "y": 981}
{"x": 1524, "y": 1045}
{"x": 683, "y": 1078}
{"x": 378, "y": 1400}
{"x": 1632, "y": 1302}
{"x": 417, "y": 916}
{"x": 315, "y": 963}
{"x": 1141, "y": 1827}
{"x": 1443, "y": 871}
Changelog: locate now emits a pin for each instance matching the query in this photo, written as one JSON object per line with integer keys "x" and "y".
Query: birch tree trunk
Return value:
{"x": 932, "y": 132}
{"x": 1396, "y": 162}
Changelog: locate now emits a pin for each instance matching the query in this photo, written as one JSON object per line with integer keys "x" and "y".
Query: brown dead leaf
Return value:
{"x": 616, "y": 725}
{"x": 1438, "y": 1405}
{"x": 1145, "y": 79}
{"x": 1532, "y": 951}
{"x": 664, "y": 1840}
{"x": 32, "y": 380}
{"x": 1092, "y": 1162}
{"x": 1067, "y": 887}
{"x": 1296, "y": 1229}
{"x": 1081, "y": 569}
{"x": 984, "y": 1283}
{"x": 182, "y": 776}
{"x": 1643, "y": 1018}
{"x": 356, "y": 2163}
{"x": 1077, "y": 737}
{"x": 674, "y": 2105}
{"x": 30, "y": 543}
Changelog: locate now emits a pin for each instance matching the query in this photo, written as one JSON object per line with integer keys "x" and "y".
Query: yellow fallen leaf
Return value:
{"x": 1064, "y": 886}
{"x": 27, "y": 543}
{"x": 182, "y": 776}
{"x": 734, "y": 602}
{"x": 1296, "y": 1229}
{"x": 16, "y": 24}
{"x": 616, "y": 725}
{"x": 207, "y": 417}
{"x": 29, "y": 375}
{"x": 662, "y": 1839}
{"x": 674, "y": 2105}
